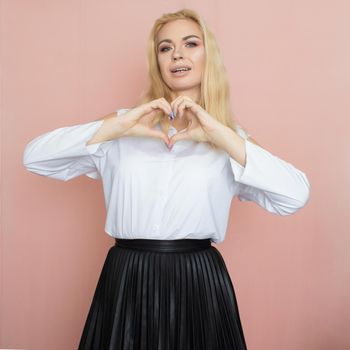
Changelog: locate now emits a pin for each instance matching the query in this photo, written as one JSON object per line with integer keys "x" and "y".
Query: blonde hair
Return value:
{"x": 215, "y": 90}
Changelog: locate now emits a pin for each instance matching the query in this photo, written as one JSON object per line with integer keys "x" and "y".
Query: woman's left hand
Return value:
{"x": 202, "y": 127}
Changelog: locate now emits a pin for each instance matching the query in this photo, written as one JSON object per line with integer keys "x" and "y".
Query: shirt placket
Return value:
{"x": 163, "y": 192}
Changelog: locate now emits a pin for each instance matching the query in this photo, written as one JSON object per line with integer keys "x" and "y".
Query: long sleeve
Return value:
{"x": 270, "y": 181}
{"x": 62, "y": 154}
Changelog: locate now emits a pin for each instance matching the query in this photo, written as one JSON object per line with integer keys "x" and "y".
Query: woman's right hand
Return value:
{"x": 139, "y": 121}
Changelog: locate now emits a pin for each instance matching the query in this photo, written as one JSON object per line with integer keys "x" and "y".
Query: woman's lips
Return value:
{"x": 181, "y": 73}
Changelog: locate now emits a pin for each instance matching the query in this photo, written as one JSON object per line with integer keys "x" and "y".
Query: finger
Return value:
{"x": 175, "y": 103}
{"x": 188, "y": 105}
{"x": 183, "y": 106}
{"x": 162, "y": 104}
{"x": 167, "y": 105}
{"x": 154, "y": 106}
{"x": 180, "y": 108}
{"x": 193, "y": 113}
{"x": 172, "y": 104}
{"x": 183, "y": 135}
{"x": 159, "y": 135}
{"x": 166, "y": 108}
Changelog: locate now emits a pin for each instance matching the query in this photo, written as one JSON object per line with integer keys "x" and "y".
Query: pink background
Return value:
{"x": 69, "y": 62}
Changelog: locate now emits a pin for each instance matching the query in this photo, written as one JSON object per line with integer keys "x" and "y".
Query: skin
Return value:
{"x": 177, "y": 51}
{"x": 189, "y": 52}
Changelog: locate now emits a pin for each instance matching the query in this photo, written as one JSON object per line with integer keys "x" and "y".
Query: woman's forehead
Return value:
{"x": 179, "y": 28}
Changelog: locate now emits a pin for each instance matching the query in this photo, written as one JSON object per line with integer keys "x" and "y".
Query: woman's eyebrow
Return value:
{"x": 184, "y": 38}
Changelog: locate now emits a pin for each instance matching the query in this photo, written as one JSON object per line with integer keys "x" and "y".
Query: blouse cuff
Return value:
{"x": 93, "y": 147}
{"x": 268, "y": 172}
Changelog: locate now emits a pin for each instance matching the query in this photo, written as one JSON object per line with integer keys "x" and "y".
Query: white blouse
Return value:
{"x": 157, "y": 193}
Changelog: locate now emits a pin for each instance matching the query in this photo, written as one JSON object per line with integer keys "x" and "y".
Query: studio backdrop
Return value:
{"x": 71, "y": 62}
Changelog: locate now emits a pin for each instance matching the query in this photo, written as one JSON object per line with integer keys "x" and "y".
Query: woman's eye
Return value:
{"x": 163, "y": 49}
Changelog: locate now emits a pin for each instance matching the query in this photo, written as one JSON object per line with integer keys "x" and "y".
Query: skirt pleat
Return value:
{"x": 156, "y": 300}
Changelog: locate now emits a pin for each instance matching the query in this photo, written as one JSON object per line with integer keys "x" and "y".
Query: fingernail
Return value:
{"x": 171, "y": 115}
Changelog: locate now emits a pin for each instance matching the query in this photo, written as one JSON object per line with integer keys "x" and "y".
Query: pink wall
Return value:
{"x": 67, "y": 62}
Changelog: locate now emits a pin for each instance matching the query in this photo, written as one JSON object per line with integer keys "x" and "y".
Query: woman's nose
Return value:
{"x": 177, "y": 55}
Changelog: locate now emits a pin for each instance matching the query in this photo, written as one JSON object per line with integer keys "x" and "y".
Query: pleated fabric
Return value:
{"x": 163, "y": 295}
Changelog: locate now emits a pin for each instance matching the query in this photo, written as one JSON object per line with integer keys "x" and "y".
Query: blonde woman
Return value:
{"x": 170, "y": 167}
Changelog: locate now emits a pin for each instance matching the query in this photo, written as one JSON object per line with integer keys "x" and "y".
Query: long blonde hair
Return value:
{"x": 215, "y": 90}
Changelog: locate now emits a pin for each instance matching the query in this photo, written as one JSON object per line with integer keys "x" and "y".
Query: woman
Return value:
{"x": 170, "y": 167}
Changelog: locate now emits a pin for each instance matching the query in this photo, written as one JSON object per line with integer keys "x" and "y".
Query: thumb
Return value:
{"x": 183, "y": 135}
{"x": 159, "y": 134}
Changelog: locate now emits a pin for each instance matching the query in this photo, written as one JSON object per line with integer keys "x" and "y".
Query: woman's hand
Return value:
{"x": 139, "y": 121}
{"x": 202, "y": 127}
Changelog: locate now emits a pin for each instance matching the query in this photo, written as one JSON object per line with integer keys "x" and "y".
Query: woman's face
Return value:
{"x": 180, "y": 44}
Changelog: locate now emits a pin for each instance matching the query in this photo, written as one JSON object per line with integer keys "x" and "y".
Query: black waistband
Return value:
{"x": 164, "y": 245}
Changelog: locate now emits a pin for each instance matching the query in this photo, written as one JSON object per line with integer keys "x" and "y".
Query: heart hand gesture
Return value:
{"x": 202, "y": 127}
{"x": 139, "y": 121}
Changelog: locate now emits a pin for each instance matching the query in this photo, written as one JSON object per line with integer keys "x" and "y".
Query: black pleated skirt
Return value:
{"x": 163, "y": 295}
